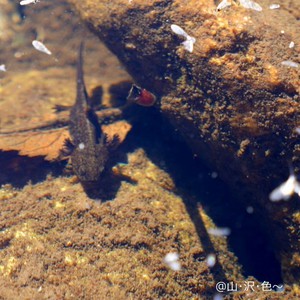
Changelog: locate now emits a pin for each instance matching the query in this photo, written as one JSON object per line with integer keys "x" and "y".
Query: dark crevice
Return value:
{"x": 21, "y": 11}
{"x": 194, "y": 183}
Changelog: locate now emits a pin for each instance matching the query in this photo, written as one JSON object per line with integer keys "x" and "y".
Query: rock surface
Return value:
{"x": 55, "y": 242}
{"x": 232, "y": 99}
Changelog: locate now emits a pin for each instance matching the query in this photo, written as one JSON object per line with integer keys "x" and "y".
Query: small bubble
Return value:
{"x": 250, "y": 209}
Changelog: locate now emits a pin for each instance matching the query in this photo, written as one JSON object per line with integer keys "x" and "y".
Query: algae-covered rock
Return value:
{"x": 56, "y": 243}
{"x": 232, "y": 98}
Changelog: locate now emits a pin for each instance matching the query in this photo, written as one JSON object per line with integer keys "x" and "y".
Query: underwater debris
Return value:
{"x": 221, "y": 231}
{"x": 48, "y": 143}
{"x": 35, "y": 143}
{"x": 189, "y": 41}
{"x": 172, "y": 261}
{"x": 2, "y": 68}
{"x": 26, "y": 2}
{"x": 251, "y": 5}
{"x": 291, "y": 45}
{"x": 211, "y": 260}
{"x": 41, "y": 47}
{"x": 274, "y": 6}
{"x": 285, "y": 190}
{"x": 141, "y": 96}
{"x": 289, "y": 63}
{"x": 223, "y": 4}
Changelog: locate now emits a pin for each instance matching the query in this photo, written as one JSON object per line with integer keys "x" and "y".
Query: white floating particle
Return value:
{"x": 214, "y": 175}
{"x": 81, "y": 146}
{"x": 178, "y": 30}
{"x": 222, "y": 231}
{"x": 189, "y": 44}
{"x": 41, "y": 47}
{"x": 282, "y": 31}
{"x": 250, "y": 4}
{"x": 249, "y": 209}
{"x": 218, "y": 297}
{"x": 189, "y": 41}
{"x": 285, "y": 190}
{"x": 2, "y": 68}
{"x": 289, "y": 63}
{"x": 172, "y": 256}
{"x": 172, "y": 261}
{"x": 211, "y": 260}
{"x": 26, "y": 2}
{"x": 274, "y": 6}
{"x": 291, "y": 45}
{"x": 223, "y": 4}
{"x": 297, "y": 130}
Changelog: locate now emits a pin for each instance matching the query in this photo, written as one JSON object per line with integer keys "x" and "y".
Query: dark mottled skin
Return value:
{"x": 88, "y": 163}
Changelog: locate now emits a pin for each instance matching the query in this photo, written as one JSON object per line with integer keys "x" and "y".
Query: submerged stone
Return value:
{"x": 231, "y": 98}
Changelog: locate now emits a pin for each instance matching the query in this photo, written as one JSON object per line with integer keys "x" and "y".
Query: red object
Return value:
{"x": 145, "y": 98}
{"x": 140, "y": 96}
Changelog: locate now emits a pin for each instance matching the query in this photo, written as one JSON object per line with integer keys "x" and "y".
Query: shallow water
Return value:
{"x": 56, "y": 242}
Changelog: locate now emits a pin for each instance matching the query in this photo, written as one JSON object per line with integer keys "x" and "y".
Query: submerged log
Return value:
{"x": 234, "y": 96}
